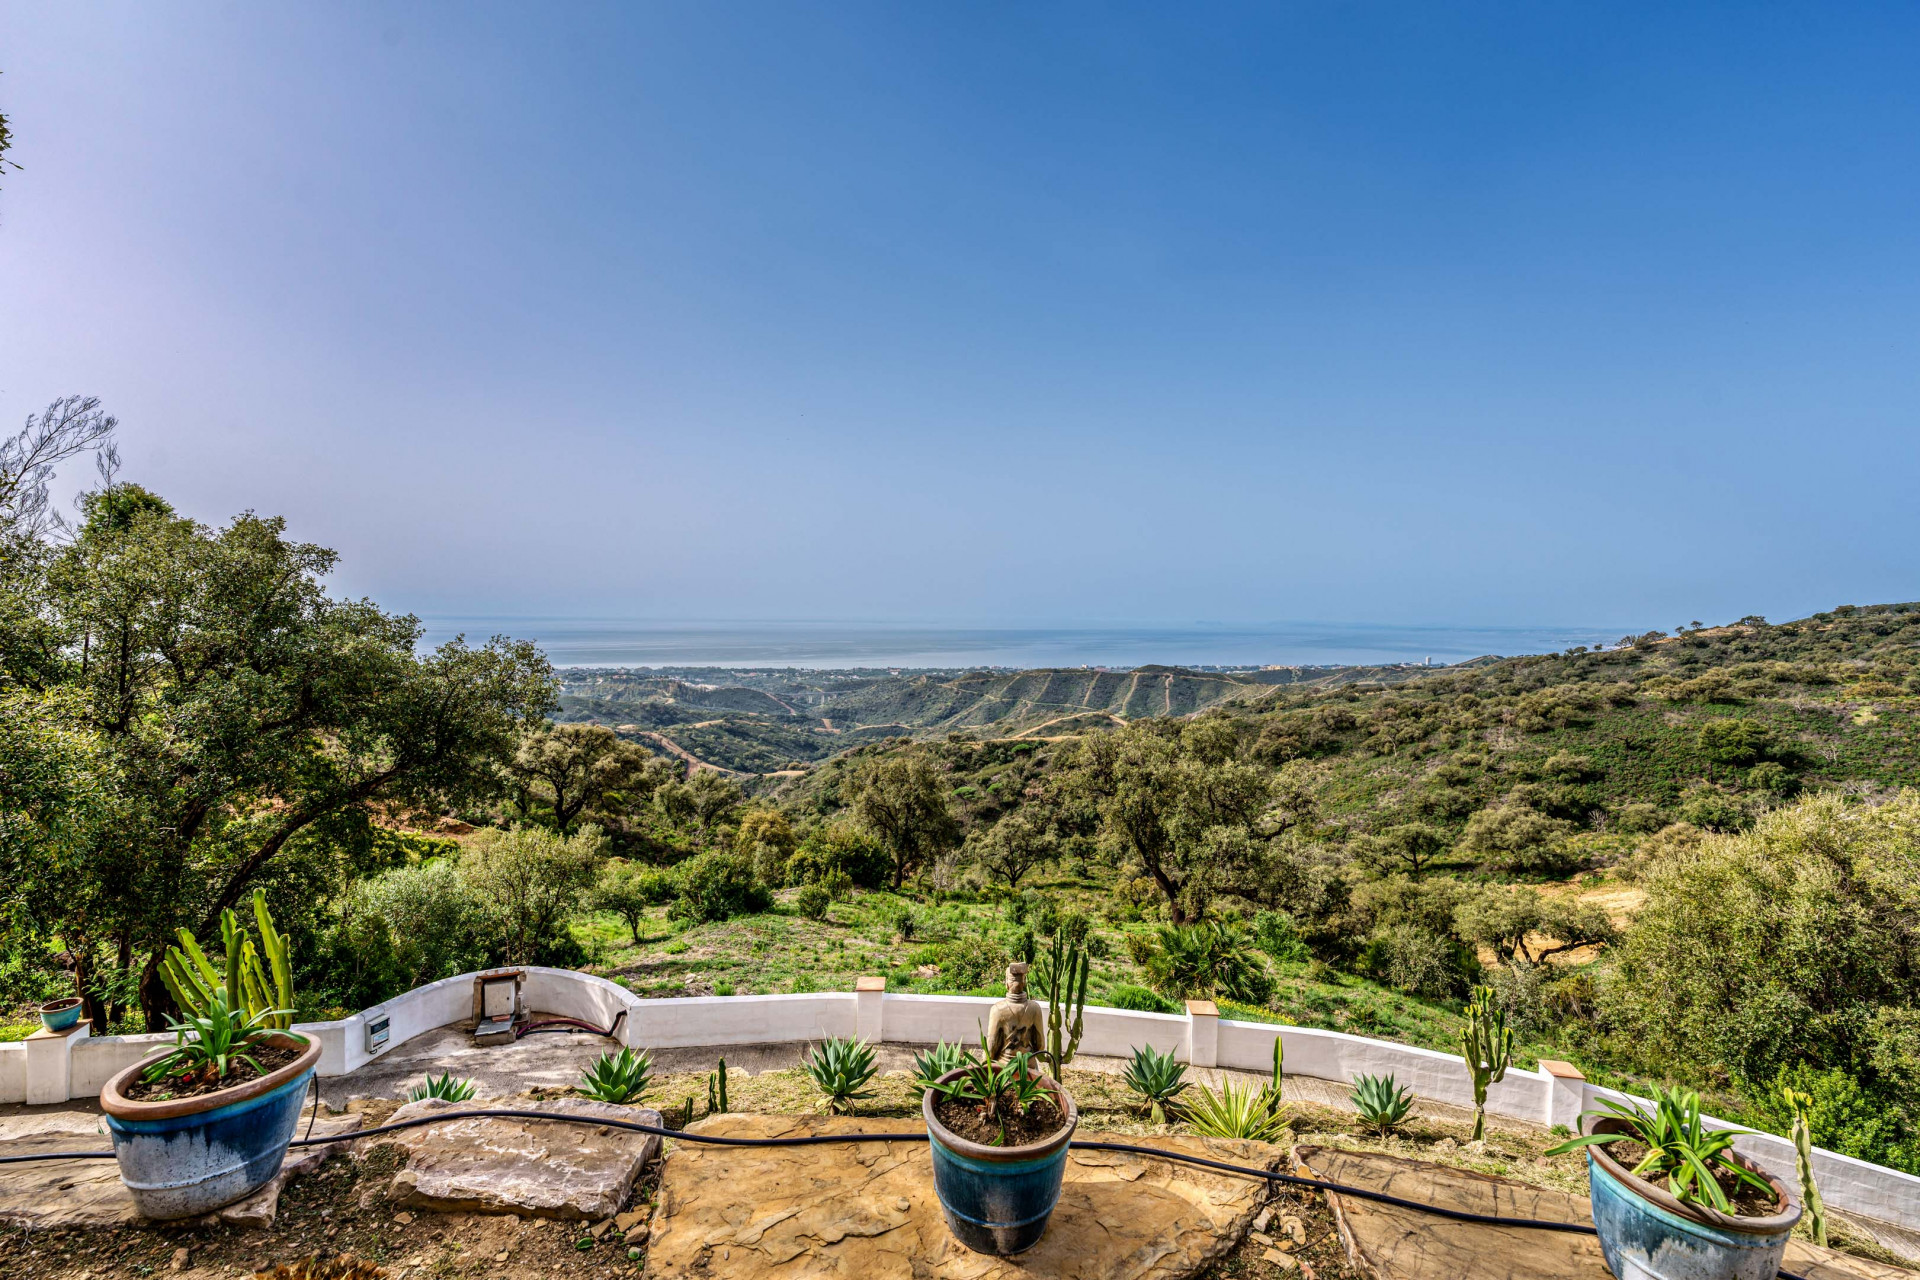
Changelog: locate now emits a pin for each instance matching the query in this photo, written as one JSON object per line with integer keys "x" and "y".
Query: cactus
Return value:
{"x": 717, "y": 1091}
{"x": 1816, "y": 1209}
{"x": 1272, "y": 1092}
{"x": 1065, "y": 979}
{"x": 1487, "y": 1045}
{"x": 263, "y": 990}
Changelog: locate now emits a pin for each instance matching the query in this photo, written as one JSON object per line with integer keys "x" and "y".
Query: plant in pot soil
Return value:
{"x": 208, "y": 1123}
{"x": 1674, "y": 1201}
{"x": 999, "y": 1134}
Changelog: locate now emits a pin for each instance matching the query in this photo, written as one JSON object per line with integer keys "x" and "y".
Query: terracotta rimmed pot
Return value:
{"x": 997, "y": 1199}
{"x": 190, "y": 1156}
{"x": 60, "y": 1015}
{"x": 1646, "y": 1234}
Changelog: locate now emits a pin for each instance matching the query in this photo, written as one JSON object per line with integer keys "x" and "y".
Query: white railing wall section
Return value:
{"x": 50, "y": 1069}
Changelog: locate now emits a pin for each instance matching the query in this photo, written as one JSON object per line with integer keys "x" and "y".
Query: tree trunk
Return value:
{"x": 155, "y": 1000}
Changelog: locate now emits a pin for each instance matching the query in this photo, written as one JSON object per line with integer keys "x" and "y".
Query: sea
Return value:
{"x": 607, "y": 642}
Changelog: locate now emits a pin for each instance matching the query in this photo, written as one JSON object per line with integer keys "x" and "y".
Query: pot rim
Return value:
{"x": 1063, "y": 1101}
{"x": 118, "y": 1105}
{"x": 1707, "y": 1216}
{"x": 61, "y": 1005}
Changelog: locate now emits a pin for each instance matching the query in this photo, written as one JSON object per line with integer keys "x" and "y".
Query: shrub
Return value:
{"x": 812, "y": 901}
{"x": 627, "y": 889}
{"x": 1711, "y": 809}
{"x": 1517, "y": 840}
{"x": 1417, "y": 960}
{"x": 970, "y": 961}
{"x": 1791, "y": 945}
{"x": 844, "y": 848}
{"x": 527, "y": 884}
{"x": 1638, "y": 818}
{"x": 1127, "y": 996}
{"x": 1275, "y": 933}
{"x": 718, "y": 885}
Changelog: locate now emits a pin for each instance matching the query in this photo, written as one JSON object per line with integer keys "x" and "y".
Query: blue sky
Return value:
{"x": 1504, "y": 315}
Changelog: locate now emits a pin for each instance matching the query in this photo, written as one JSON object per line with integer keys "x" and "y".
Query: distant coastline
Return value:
{"x": 589, "y": 642}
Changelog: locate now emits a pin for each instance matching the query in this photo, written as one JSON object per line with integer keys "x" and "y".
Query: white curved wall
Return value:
{"x": 1199, "y": 1036}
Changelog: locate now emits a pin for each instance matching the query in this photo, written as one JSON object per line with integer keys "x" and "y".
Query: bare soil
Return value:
{"x": 969, "y": 1120}
{"x": 270, "y": 1057}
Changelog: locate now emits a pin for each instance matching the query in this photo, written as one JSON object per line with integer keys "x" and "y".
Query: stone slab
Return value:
{"x": 1391, "y": 1243}
{"x": 867, "y": 1211}
{"x": 529, "y": 1167}
{"x": 88, "y": 1193}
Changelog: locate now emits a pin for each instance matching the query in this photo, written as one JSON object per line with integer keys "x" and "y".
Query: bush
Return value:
{"x": 627, "y": 889}
{"x": 718, "y": 885}
{"x": 527, "y": 884}
{"x": 1274, "y": 933}
{"x": 1638, "y": 819}
{"x": 972, "y": 961}
{"x": 812, "y": 901}
{"x": 1791, "y": 946}
{"x": 1419, "y": 961}
{"x": 1127, "y": 996}
{"x": 843, "y": 848}
{"x": 1711, "y": 809}
{"x": 1518, "y": 840}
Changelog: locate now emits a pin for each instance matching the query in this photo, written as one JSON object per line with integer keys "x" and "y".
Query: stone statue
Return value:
{"x": 1016, "y": 1023}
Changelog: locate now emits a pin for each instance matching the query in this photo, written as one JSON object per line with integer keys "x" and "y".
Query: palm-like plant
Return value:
{"x": 620, "y": 1078}
{"x": 928, "y": 1067}
{"x": 1157, "y": 1077}
{"x": 1679, "y": 1146}
{"x": 1204, "y": 959}
{"x": 221, "y": 1036}
{"x": 446, "y": 1087}
{"x": 1237, "y": 1111}
{"x": 841, "y": 1068}
{"x": 1382, "y": 1104}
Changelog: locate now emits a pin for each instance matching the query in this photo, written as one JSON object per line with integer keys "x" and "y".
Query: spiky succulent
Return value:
{"x": 840, "y": 1069}
{"x": 1157, "y": 1077}
{"x": 620, "y": 1078}
{"x": 447, "y": 1087}
{"x": 1383, "y": 1105}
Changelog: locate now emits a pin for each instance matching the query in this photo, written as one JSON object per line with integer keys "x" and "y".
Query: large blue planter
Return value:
{"x": 1646, "y": 1234}
{"x": 190, "y": 1156}
{"x": 997, "y": 1199}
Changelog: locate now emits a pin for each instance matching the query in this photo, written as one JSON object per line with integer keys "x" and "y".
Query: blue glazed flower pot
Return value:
{"x": 1646, "y": 1234}
{"x": 190, "y": 1156}
{"x": 60, "y": 1015}
{"x": 997, "y": 1199}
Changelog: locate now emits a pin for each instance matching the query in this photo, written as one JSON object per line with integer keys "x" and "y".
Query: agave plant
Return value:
{"x": 620, "y": 1078}
{"x": 1157, "y": 1077}
{"x": 928, "y": 1067}
{"x": 841, "y": 1068}
{"x": 1237, "y": 1111}
{"x": 445, "y": 1087}
{"x": 1004, "y": 1090}
{"x": 221, "y": 1036}
{"x": 1679, "y": 1147}
{"x": 1382, "y": 1104}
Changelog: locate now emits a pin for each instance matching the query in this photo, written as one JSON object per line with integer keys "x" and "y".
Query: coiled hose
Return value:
{"x": 816, "y": 1139}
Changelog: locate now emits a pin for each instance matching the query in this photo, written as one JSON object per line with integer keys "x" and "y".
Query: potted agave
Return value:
{"x": 999, "y": 1134}
{"x": 208, "y": 1123}
{"x": 1673, "y": 1200}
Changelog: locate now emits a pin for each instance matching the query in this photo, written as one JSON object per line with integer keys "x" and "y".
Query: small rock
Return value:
{"x": 1261, "y": 1219}
{"x": 1477, "y": 1147}
{"x": 500, "y": 1256}
{"x": 1295, "y": 1228}
{"x": 1284, "y": 1261}
{"x": 630, "y": 1219}
{"x": 403, "y": 1218}
{"x": 179, "y": 1260}
{"x": 1261, "y": 1237}
{"x": 599, "y": 1229}
{"x": 903, "y": 1204}
{"x": 633, "y": 1254}
{"x": 1446, "y": 1144}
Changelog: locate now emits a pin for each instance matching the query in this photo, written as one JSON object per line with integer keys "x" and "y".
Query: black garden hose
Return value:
{"x": 817, "y": 1139}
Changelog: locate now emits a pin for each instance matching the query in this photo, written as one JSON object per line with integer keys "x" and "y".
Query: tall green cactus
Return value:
{"x": 1487, "y": 1045}
{"x": 1810, "y": 1201}
{"x": 1065, "y": 979}
{"x": 717, "y": 1091}
{"x": 258, "y": 988}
